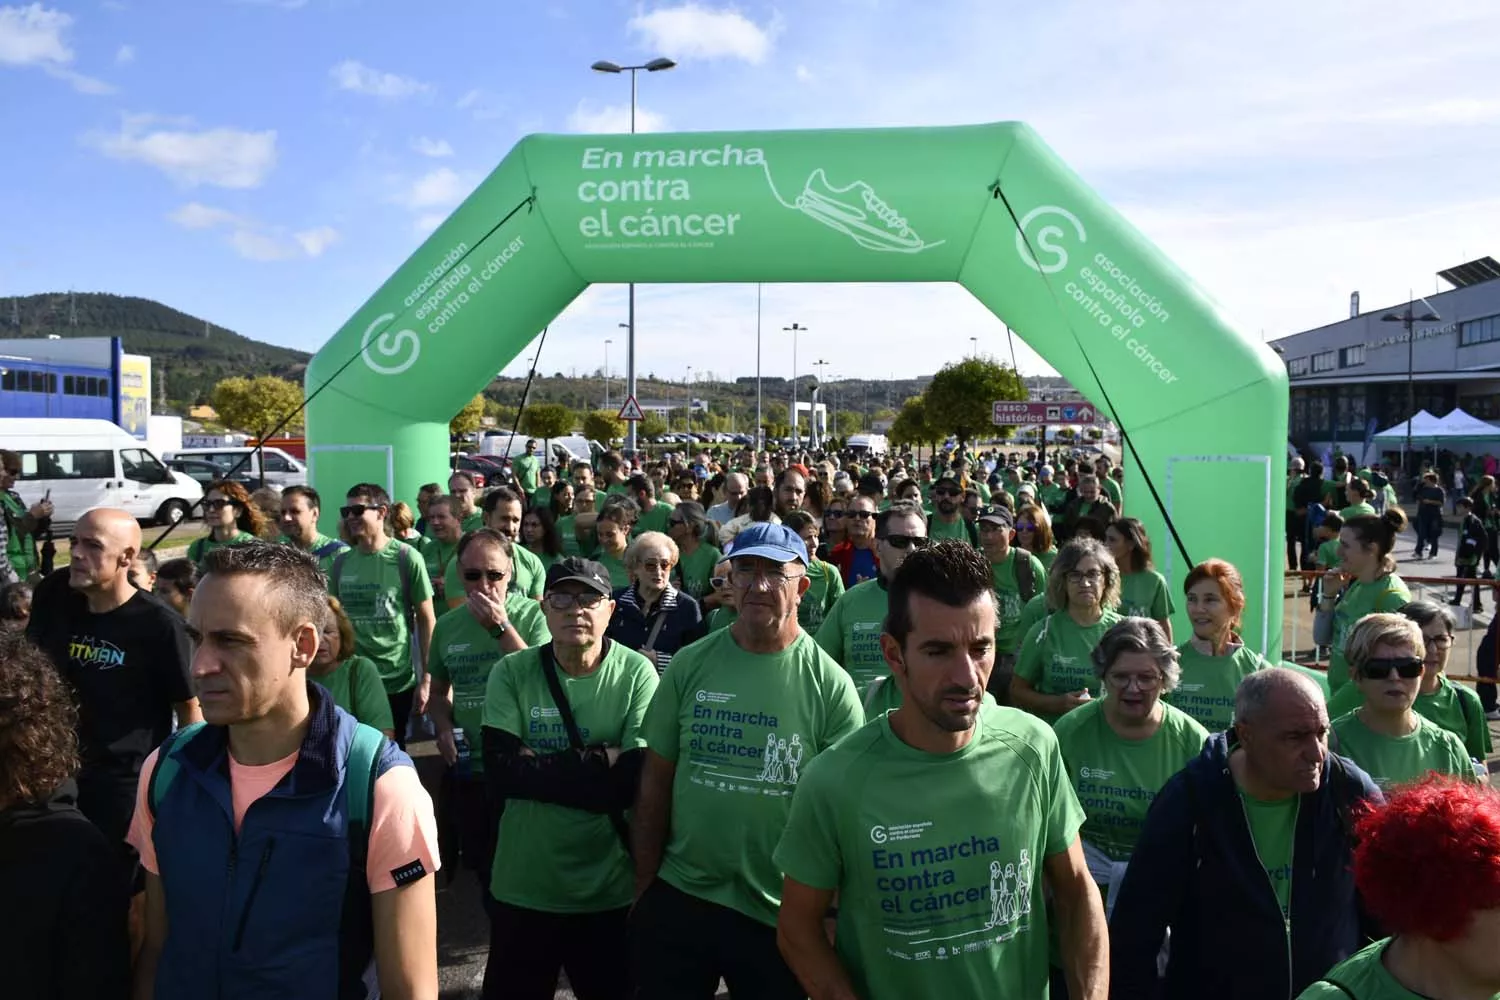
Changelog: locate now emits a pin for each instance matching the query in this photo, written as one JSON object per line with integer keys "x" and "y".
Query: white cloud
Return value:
{"x": 435, "y": 148}
{"x": 355, "y": 76}
{"x": 125, "y": 55}
{"x": 253, "y": 245}
{"x": 589, "y": 117}
{"x": 694, "y": 31}
{"x": 440, "y": 188}
{"x": 253, "y": 240}
{"x": 481, "y": 104}
{"x": 219, "y": 157}
{"x": 805, "y": 75}
{"x": 33, "y": 36}
{"x": 315, "y": 241}
{"x": 195, "y": 215}
{"x": 428, "y": 221}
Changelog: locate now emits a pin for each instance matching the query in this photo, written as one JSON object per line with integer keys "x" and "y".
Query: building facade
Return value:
{"x": 1362, "y": 374}
{"x": 86, "y": 377}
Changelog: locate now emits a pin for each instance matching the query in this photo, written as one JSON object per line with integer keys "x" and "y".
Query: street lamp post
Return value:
{"x": 687, "y": 386}
{"x": 794, "y": 330}
{"x": 654, "y": 66}
{"x": 607, "y": 342}
{"x": 974, "y": 341}
{"x": 819, "y": 364}
{"x": 1408, "y": 319}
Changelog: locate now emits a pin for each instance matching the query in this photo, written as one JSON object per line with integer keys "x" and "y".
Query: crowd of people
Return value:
{"x": 809, "y": 725}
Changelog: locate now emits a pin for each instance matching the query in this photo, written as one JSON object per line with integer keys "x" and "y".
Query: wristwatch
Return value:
{"x": 499, "y": 630}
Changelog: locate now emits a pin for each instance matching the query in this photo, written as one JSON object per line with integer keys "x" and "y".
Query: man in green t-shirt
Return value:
{"x": 466, "y": 645}
{"x": 935, "y": 824}
{"x": 654, "y": 514}
{"x": 1103, "y": 468}
{"x": 1018, "y": 577}
{"x": 851, "y": 632}
{"x": 525, "y": 468}
{"x": 384, "y": 588}
{"x": 439, "y": 550}
{"x": 503, "y": 511}
{"x": 947, "y": 519}
{"x": 300, "y": 509}
{"x": 465, "y": 495}
{"x": 563, "y": 746}
{"x": 737, "y": 717}
{"x": 21, "y": 522}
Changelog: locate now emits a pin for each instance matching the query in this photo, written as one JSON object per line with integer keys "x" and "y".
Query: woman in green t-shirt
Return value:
{"x": 1143, "y": 591}
{"x": 1427, "y": 868}
{"x": 1385, "y": 736}
{"x": 564, "y": 514}
{"x": 1034, "y": 533}
{"x": 353, "y": 681}
{"x": 613, "y": 527}
{"x": 231, "y": 519}
{"x": 1214, "y": 659}
{"x": 539, "y": 535}
{"x": 826, "y": 584}
{"x": 1359, "y": 494}
{"x": 1365, "y": 581}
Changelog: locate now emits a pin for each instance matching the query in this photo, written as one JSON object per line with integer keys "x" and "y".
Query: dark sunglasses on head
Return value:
{"x": 357, "y": 510}
{"x": 492, "y": 575}
{"x": 906, "y": 541}
{"x": 1379, "y": 668}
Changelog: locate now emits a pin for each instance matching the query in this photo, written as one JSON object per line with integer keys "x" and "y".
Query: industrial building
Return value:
{"x": 87, "y": 377}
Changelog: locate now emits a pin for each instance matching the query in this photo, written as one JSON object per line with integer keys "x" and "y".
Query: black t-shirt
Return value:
{"x": 1431, "y": 493}
{"x": 127, "y": 667}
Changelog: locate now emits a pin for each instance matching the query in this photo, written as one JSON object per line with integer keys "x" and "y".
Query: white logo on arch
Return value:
{"x": 1046, "y": 238}
{"x": 404, "y": 345}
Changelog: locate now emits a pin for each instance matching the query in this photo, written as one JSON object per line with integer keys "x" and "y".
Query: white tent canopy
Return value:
{"x": 1425, "y": 429}
{"x": 1461, "y": 426}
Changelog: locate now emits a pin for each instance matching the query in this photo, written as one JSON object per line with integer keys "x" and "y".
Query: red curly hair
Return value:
{"x": 1430, "y": 857}
{"x": 1231, "y": 586}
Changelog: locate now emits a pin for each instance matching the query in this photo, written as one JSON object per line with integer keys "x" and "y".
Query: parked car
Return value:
{"x": 278, "y": 468}
{"x": 206, "y": 472}
{"x": 480, "y": 471}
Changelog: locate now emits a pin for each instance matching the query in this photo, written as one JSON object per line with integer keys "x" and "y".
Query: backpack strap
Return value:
{"x": 361, "y": 769}
{"x": 166, "y": 768}
{"x": 327, "y": 549}
{"x": 1025, "y": 574}
{"x": 406, "y": 561}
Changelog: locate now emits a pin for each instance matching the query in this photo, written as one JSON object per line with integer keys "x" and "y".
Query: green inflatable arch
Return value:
{"x": 987, "y": 206}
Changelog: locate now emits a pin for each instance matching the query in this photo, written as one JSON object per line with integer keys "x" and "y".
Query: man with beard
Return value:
{"x": 947, "y": 513}
{"x": 791, "y": 487}
{"x": 945, "y": 790}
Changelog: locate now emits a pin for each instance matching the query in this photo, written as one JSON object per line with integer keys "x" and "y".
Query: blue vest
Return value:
{"x": 275, "y": 911}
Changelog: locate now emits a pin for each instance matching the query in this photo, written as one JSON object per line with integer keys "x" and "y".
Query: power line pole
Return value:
{"x": 72, "y": 310}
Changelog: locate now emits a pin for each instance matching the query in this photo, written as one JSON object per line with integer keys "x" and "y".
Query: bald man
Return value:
{"x": 126, "y": 655}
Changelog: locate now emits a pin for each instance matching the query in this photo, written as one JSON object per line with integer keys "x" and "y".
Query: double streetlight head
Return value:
{"x": 654, "y": 66}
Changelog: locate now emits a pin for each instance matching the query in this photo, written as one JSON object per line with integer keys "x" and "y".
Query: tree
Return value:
{"x": 257, "y": 405}
{"x": 910, "y": 425}
{"x": 466, "y": 421}
{"x": 847, "y": 422}
{"x": 603, "y": 426}
{"x": 547, "y": 420}
{"x": 651, "y": 427}
{"x": 959, "y": 397}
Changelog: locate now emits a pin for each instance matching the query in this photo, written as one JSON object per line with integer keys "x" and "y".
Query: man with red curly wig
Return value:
{"x": 1428, "y": 868}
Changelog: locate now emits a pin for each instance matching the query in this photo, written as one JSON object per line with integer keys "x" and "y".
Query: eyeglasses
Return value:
{"x": 1092, "y": 576}
{"x": 906, "y": 541}
{"x": 742, "y": 577}
{"x": 860, "y": 515}
{"x": 945, "y": 493}
{"x": 1440, "y": 641}
{"x": 1025, "y": 526}
{"x": 562, "y": 600}
{"x": 219, "y": 504}
{"x": 1122, "y": 682}
{"x": 492, "y": 575}
{"x": 358, "y": 510}
{"x": 655, "y": 564}
{"x": 1379, "y": 668}
{"x": 833, "y": 515}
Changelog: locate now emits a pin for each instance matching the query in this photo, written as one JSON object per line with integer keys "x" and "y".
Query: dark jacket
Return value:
{"x": 680, "y": 617}
{"x": 1195, "y": 870}
{"x": 64, "y": 891}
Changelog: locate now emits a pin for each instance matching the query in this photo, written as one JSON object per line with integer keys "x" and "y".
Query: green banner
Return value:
{"x": 988, "y": 206}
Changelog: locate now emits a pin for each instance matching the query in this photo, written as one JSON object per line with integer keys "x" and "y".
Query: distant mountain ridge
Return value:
{"x": 191, "y": 352}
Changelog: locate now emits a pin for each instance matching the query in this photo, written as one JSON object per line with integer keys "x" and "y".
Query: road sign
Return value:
{"x": 1015, "y": 414}
{"x": 631, "y": 410}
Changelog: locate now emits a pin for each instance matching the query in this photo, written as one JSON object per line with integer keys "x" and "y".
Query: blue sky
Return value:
{"x": 267, "y": 164}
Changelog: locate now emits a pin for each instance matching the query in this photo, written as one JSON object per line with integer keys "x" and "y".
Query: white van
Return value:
{"x": 565, "y": 450}
{"x": 875, "y": 444}
{"x": 281, "y": 470}
{"x": 83, "y": 464}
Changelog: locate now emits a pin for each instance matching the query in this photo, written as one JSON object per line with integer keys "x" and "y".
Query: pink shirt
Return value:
{"x": 402, "y": 827}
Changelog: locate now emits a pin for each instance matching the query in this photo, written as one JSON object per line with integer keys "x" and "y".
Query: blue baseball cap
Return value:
{"x": 776, "y": 542}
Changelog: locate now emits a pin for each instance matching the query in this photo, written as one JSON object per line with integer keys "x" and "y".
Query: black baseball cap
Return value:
{"x": 584, "y": 571}
{"x": 997, "y": 513}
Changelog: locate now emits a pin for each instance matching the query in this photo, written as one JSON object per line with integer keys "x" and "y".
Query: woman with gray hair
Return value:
{"x": 1451, "y": 706}
{"x": 1385, "y": 736}
{"x": 1053, "y": 676}
{"x": 1121, "y": 749}
{"x": 651, "y": 616}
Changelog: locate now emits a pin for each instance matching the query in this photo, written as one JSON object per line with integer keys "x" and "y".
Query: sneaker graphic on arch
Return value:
{"x": 858, "y": 212}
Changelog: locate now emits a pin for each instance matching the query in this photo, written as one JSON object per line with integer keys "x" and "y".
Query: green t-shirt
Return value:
{"x": 695, "y": 571}
{"x": 720, "y": 618}
{"x": 1033, "y": 611}
{"x": 356, "y": 688}
{"x": 654, "y": 519}
{"x": 1386, "y": 593}
{"x": 526, "y": 468}
{"x": 1111, "y": 489}
{"x": 1008, "y": 603}
{"x": 1273, "y": 829}
{"x": 566, "y": 526}
{"x": 1292, "y": 482}
{"x": 740, "y": 727}
{"x": 1047, "y": 558}
{"x": 555, "y": 858}
{"x": 1360, "y": 509}
{"x": 542, "y": 497}
{"x": 1363, "y": 976}
{"x": 200, "y": 548}
{"x": 439, "y": 558}
{"x": 1328, "y": 554}
{"x": 825, "y": 587}
{"x": 1116, "y": 779}
{"x": 1453, "y": 707}
{"x": 851, "y": 632}
{"x": 938, "y": 858}
{"x": 20, "y": 550}
{"x": 1145, "y": 595}
{"x": 938, "y": 529}
{"x": 1398, "y": 760}
{"x": 619, "y": 576}
{"x": 330, "y": 549}
{"x": 1052, "y": 496}
{"x": 1206, "y": 691}
{"x": 1056, "y": 655}
{"x": 463, "y": 654}
{"x": 369, "y": 586}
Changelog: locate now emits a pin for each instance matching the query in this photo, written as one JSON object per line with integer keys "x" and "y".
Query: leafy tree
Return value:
{"x": 466, "y": 421}
{"x": 603, "y": 426}
{"x": 959, "y": 397}
{"x": 257, "y": 405}
{"x": 910, "y": 425}
{"x": 652, "y": 426}
{"x": 847, "y": 422}
{"x": 547, "y": 420}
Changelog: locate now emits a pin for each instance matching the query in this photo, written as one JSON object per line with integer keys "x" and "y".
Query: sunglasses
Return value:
{"x": 1025, "y": 526}
{"x": 219, "y": 504}
{"x": 492, "y": 575}
{"x": 906, "y": 541}
{"x": 1378, "y": 669}
{"x": 562, "y": 601}
{"x": 833, "y": 515}
{"x": 358, "y": 510}
{"x": 945, "y": 493}
{"x": 860, "y": 515}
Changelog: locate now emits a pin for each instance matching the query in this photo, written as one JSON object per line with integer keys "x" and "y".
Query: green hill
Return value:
{"x": 191, "y": 352}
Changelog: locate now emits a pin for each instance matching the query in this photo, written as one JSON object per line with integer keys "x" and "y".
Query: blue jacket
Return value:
{"x": 1195, "y": 870}
{"x": 275, "y": 911}
{"x": 680, "y": 616}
